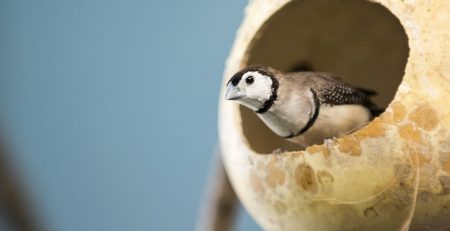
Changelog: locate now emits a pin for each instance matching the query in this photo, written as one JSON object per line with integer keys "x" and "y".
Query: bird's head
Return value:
{"x": 253, "y": 87}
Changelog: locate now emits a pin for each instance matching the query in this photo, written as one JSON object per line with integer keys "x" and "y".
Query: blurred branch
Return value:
{"x": 13, "y": 205}
{"x": 220, "y": 205}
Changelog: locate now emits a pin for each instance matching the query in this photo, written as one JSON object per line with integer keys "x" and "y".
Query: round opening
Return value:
{"x": 361, "y": 42}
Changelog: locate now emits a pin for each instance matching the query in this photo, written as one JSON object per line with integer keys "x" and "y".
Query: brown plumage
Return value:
{"x": 304, "y": 107}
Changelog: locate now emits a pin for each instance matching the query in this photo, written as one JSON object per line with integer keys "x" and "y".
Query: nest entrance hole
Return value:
{"x": 360, "y": 41}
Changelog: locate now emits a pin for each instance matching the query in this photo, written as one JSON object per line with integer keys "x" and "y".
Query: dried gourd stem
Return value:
{"x": 13, "y": 204}
{"x": 220, "y": 204}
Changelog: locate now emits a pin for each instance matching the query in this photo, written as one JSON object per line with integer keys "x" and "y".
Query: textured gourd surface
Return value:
{"x": 393, "y": 174}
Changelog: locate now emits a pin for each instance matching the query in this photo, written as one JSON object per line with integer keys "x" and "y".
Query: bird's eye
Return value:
{"x": 249, "y": 80}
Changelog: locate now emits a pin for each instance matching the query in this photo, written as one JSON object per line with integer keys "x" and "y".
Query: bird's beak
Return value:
{"x": 233, "y": 93}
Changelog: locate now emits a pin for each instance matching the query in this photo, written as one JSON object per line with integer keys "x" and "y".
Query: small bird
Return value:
{"x": 303, "y": 107}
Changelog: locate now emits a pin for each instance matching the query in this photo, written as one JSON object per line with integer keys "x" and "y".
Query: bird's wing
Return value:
{"x": 333, "y": 91}
{"x": 340, "y": 93}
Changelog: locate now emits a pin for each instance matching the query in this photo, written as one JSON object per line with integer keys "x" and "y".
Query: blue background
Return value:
{"x": 111, "y": 107}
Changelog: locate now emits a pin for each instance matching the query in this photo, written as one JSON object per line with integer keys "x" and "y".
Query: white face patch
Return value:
{"x": 260, "y": 89}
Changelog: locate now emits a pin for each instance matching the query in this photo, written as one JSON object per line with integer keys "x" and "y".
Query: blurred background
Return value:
{"x": 109, "y": 108}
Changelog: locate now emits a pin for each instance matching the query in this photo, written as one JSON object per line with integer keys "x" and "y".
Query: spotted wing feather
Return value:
{"x": 333, "y": 91}
{"x": 340, "y": 93}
